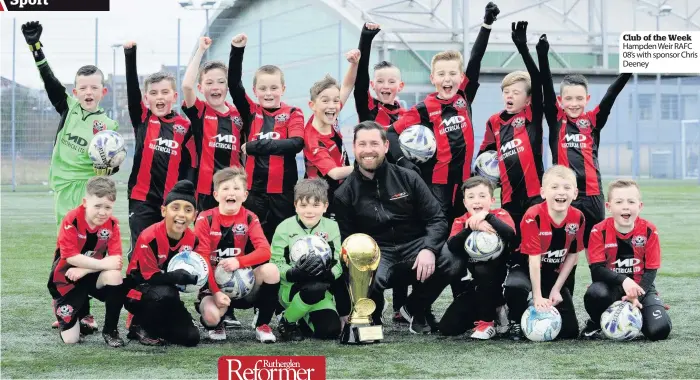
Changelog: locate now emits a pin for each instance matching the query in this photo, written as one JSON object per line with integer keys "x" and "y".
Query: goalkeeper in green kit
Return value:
{"x": 313, "y": 292}
{"x": 81, "y": 118}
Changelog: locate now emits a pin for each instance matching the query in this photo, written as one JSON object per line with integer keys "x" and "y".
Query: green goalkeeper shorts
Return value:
{"x": 67, "y": 198}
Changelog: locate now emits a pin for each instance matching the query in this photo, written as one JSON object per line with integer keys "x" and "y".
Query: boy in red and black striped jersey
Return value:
{"x": 447, "y": 112}
{"x": 384, "y": 109}
{"x": 160, "y": 157}
{"x": 482, "y": 302}
{"x": 231, "y": 237}
{"x": 324, "y": 153}
{"x": 159, "y": 315}
{"x": 574, "y": 134}
{"x": 88, "y": 262}
{"x": 552, "y": 237}
{"x": 275, "y": 136}
{"x": 216, "y": 124}
{"x": 624, "y": 255}
{"x": 516, "y": 134}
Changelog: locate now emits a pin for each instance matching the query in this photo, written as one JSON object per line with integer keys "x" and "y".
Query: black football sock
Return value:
{"x": 268, "y": 298}
{"x": 114, "y": 300}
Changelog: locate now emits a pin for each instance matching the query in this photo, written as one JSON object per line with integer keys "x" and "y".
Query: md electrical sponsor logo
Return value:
{"x": 272, "y": 367}
{"x": 164, "y": 145}
{"x": 54, "y": 5}
{"x": 454, "y": 123}
{"x": 626, "y": 266}
{"x": 511, "y": 148}
{"x": 575, "y": 140}
{"x": 74, "y": 142}
{"x": 223, "y": 142}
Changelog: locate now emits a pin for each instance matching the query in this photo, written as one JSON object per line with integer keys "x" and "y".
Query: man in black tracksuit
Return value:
{"x": 396, "y": 208}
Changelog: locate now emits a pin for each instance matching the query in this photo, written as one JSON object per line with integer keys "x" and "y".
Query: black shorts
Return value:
{"x": 141, "y": 216}
{"x": 271, "y": 209}
{"x": 67, "y": 307}
{"x": 206, "y": 202}
{"x": 593, "y": 209}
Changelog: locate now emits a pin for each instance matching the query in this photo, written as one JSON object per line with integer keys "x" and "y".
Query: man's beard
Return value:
{"x": 379, "y": 161}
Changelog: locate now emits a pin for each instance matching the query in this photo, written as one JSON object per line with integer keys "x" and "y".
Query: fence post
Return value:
{"x": 97, "y": 21}
{"x": 14, "y": 85}
{"x": 260, "y": 41}
{"x": 177, "y": 78}
{"x": 340, "y": 51}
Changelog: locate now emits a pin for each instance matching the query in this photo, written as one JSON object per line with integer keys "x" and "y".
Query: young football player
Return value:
{"x": 311, "y": 289}
{"x": 276, "y": 135}
{"x": 624, "y": 255}
{"x": 385, "y": 108}
{"x": 88, "y": 262}
{"x": 516, "y": 135}
{"x": 161, "y": 134}
{"x": 159, "y": 316}
{"x": 574, "y": 135}
{"x": 216, "y": 124}
{"x": 447, "y": 112}
{"x": 552, "y": 237}
{"x": 324, "y": 153}
{"x": 225, "y": 234}
{"x": 81, "y": 118}
{"x": 483, "y": 302}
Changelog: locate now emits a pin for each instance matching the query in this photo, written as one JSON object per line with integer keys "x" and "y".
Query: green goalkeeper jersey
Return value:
{"x": 69, "y": 160}
{"x": 291, "y": 230}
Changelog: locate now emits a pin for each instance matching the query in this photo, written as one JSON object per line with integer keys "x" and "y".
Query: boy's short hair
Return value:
{"x": 159, "y": 77}
{"x": 385, "y": 65}
{"x": 369, "y": 125}
{"x": 561, "y": 172}
{"x": 515, "y": 77}
{"x": 102, "y": 187}
{"x": 212, "y": 65}
{"x": 622, "y": 183}
{"x": 88, "y": 70}
{"x": 475, "y": 181}
{"x": 227, "y": 174}
{"x": 322, "y": 85}
{"x": 447, "y": 55}
{"x": 573, "y": 80}
{"x": 311, "y": 189}
{"x": 268, "y": 69}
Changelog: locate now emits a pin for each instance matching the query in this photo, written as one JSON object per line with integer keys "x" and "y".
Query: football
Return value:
{"x": 483, "y": 246}
{"x": 486, "y": 165}
{"x": 236, "y": 284}
{"x": 107, "y": 149}
{"x": 541, "y": 326}
{"x": 193, "y": 263}
{"x": 310, "y": 244}
{"x": 418, "y": 143}
{"x": 621, "y": 321}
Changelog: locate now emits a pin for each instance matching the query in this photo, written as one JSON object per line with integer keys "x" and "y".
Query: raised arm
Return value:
{"x": 519, "y": 35}
{"x": 353, "y": 56}
{"x": 133, "y": 89}
{"x": 479, "y": 49}
{"x": 548, "y": 93}
{"x": 608, "y": 100}
{"x": 361, "y": 92}
{"x": 190, "y": 79}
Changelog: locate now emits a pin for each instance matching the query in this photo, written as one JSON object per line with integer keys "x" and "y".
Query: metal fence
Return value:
{"x": 653, "y": 130}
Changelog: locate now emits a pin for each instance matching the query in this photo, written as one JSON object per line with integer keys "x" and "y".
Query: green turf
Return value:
{"x": 30, "y": 349}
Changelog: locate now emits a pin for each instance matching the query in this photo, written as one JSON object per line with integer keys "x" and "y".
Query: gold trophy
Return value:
{"x": 361, "y": 255}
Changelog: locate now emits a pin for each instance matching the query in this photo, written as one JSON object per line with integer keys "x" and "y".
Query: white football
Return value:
{"x": 486, "y": 165}
{"x": 107, "y": 149}
{"x": 310, "y": 244}
{"x": 418, "y": 143}
{"x": 621, "y": 321}
{"x": 483, "y": 246}
{"x": 236, "y": 284}
{"x": 193, "y": 263}
{"x": 541, "y": 326}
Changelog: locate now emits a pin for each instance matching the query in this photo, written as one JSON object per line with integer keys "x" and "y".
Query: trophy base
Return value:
{"x": 361, "y": 334}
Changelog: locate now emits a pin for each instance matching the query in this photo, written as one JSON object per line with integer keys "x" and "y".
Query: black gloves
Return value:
{"x": 491, "y": 12}
{"x": 308, "y": 267}
{"x": 182, "y": 277}
{"x": 542, "y": 44}
{"x": 519, "y": 33}
{"x": 32, "y": 32}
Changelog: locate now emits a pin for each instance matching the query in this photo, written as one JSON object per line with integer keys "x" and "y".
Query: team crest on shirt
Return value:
{"x": 98, "y": 126}
{"x": 583, "y": 123}
{"x": 460, "y": 103}
{"x": 237, "y": 120}
{"x": 518, "y": 122}
{"x": 103, "y": 234}
{"x": 240, "y": 229}
{"x": 571, "y": 228}
{"x": 65, "y": 312}
{"x": 185, "y": 248}
{"x": 177, "y": 128}
{"x": 639, "y": 241}
{"x": 281, "y": 118}
{"x": 321, "y": 234}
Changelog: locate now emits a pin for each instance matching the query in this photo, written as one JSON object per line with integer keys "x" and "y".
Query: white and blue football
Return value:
{"x": 418, "y": 143}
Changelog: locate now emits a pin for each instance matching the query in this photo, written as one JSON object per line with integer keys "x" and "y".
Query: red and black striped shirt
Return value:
{"x": 223, "y": 236}
{"x": 75, "y": 237}
{"x": 383, "y": 114}
{"x": 630, "y": 254}
{"x": 154, "y": 249}
{"x": 217, "y": 137}
{"x": 541, "y": 236}
{"x": 450, "y": 121}
{"x": 322, "y": 153}
{"x": 517, "y": 140}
